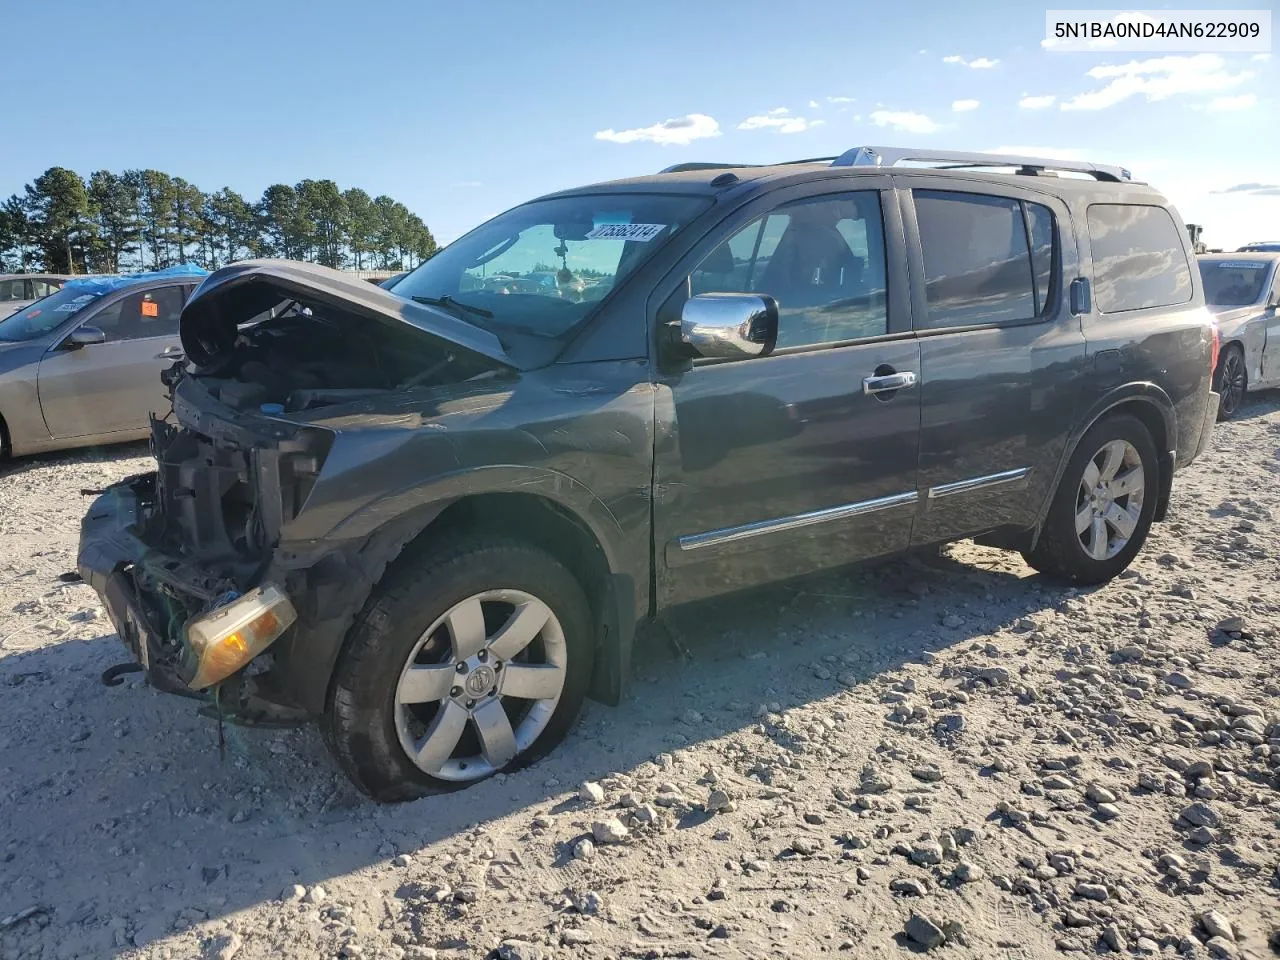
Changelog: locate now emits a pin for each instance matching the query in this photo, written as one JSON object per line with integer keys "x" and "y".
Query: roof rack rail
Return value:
{"x": 892, "y": 156}
{"x": 698, "y": 165}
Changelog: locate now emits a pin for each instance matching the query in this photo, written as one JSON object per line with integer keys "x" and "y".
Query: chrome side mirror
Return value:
{"x": 730, "y": 326}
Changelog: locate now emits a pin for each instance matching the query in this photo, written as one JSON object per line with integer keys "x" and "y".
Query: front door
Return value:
{"x": 111, "y": 387}
{"x": 1271, "y": 338}
{"x": 1000, "y": 353}
{"x": 785, "y": 464}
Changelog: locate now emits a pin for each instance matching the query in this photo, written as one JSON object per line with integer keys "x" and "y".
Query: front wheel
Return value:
{"x": 1103, "y": 507}
{"x": 470, "y": 659}
{"x": 1230, "y": 382}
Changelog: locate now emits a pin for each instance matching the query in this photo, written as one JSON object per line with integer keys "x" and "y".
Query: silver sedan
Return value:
{"x": 1243, "y": 291}
{"x": 18, "y": 290}
{"x": 82, "y": 366}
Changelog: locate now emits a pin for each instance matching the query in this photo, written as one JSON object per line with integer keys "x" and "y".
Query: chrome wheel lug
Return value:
{"x": 455, "y": 692}
{"x": 462, "y": 667}
{"x": 471, "y": 704}
{"x": 483, "y": 655}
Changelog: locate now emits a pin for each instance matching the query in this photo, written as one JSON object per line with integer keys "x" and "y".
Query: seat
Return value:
{"x": 812, "y": 267}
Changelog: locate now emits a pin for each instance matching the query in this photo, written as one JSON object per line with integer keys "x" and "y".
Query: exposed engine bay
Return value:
{"x": 299, "y": 360}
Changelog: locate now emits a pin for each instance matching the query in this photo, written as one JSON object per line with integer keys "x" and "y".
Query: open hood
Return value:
{"x": 236, "y": 294}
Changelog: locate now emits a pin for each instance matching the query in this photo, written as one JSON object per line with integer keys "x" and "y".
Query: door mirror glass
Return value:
{"x": 730, "y": 326}
{"x": 83, "y": 336}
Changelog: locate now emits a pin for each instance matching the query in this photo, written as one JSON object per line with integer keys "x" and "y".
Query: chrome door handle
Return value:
{"x": 889, "y": 382}
{"x": 172, "y": 353}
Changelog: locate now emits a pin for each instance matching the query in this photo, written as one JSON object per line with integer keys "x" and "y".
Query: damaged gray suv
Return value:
{"x": 433, "y": 518}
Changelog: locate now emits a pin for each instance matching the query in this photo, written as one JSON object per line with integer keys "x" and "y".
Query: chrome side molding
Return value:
{"x": 715, "y": 538}
{"x": 978, "y": 483}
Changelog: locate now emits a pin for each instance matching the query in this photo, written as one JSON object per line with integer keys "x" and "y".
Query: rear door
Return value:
{"x": 1001, "y": 356}
{"x": 111, "y": 387}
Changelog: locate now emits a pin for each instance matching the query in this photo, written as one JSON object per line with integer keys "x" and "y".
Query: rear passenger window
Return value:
{"x": 979, "y": 265}
{"x": 1138, "y": 260}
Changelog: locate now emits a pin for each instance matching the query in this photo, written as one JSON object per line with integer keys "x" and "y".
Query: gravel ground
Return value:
{"x": 950, "y": 756}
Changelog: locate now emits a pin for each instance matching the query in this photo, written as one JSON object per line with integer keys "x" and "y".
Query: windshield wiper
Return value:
{"x": 448, "y": 302}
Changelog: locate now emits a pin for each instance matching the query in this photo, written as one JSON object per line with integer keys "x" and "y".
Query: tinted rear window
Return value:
{"x": 978, "y": 263}
{"x": 1138, "y": 260}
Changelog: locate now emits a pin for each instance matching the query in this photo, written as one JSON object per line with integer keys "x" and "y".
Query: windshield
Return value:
{"x": 541, "y": 269}
{"x": 45, "y": 315}
{"x": 1233, "y": 283}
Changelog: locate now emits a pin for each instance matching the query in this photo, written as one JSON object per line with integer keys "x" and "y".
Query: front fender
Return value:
{"x": 428, "y": 499}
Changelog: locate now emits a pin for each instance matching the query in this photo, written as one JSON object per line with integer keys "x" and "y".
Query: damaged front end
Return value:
{"x": 214, "y": 577}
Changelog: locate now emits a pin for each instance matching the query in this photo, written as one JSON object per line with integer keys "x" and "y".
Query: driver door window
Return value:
{"x": 152, "y": 313}
{"x": 821, "y": 259}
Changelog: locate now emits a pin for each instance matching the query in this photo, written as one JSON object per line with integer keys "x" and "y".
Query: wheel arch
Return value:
{"x": 1154, "y": 409}
{"x": 528, "y": 511}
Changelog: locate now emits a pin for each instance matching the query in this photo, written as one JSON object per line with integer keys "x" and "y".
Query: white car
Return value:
{"x": 18, "y": 290}
{"x": 1243, "y": 291}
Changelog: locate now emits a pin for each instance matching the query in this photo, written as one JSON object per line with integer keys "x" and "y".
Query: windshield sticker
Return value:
{"x": 71, "y": 307}
{"x": 1241, "y": 265}
{"x": 150, "y": 308}
{"x": 640, "y": 232}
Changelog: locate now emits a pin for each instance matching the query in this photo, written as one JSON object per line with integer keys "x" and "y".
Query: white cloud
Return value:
{"x": 964, "y": 106}
{"x": 1037, "y": 103}
{"x": 1253, "y": 189}
{"x": 1245, "y": 101}
{"x": 1157, "y": 79}
{"x": 678, "y": 130}
{"x": 779, "y": 119}
{"x": 903, "y": 121}
{"x": 1261, "y": 57}
{"x": 813, "y": 104}
{"x": 981, "y": 63}
{"x": 841, "y": 99}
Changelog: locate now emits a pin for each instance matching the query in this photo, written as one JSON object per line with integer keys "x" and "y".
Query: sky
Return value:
{"x": 461, "y": 111}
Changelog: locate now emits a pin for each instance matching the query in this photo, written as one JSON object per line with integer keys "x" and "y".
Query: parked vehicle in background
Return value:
{"x": 442, "y": 511}
{"x": 1243, "y": 291}
{"x": 18, "y": 290}
{"x": 82, "y": 366}
{"x": 1262, "y": 246}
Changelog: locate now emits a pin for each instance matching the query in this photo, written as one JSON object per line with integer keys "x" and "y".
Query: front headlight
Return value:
{"x": 222, "y": 641}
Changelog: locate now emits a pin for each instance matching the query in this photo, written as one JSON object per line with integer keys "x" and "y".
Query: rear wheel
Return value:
{"x": 1104, "y": 504}
{"x": 472, "y": 660}
{"x": 1230, "y": 381}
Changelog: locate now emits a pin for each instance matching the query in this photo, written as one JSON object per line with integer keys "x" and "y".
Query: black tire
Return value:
{"x": 1059, "y": 553}
{"x": 1230, "y": 381}
{"x": 359, "y": 722}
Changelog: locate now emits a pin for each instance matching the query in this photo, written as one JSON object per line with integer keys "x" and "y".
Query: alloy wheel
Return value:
{"x": 1109, "y": 500}
{"x": 480, "y": 685}
{"x": 1232, "y": 382}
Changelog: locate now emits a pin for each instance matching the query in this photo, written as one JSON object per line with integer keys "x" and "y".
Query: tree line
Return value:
{"x": 147, "y": 220}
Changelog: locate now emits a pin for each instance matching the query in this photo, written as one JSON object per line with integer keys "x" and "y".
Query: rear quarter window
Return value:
{"x": 1138, "y": 259}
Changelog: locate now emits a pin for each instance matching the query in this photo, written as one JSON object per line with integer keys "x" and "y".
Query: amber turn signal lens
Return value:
{"x": 226, "y": 639}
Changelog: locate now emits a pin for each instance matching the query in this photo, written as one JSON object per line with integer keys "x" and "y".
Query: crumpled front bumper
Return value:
{"x": 109, "y": 549}
{"x": 151, "y": 593}
{"x": 112, "y": 553}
